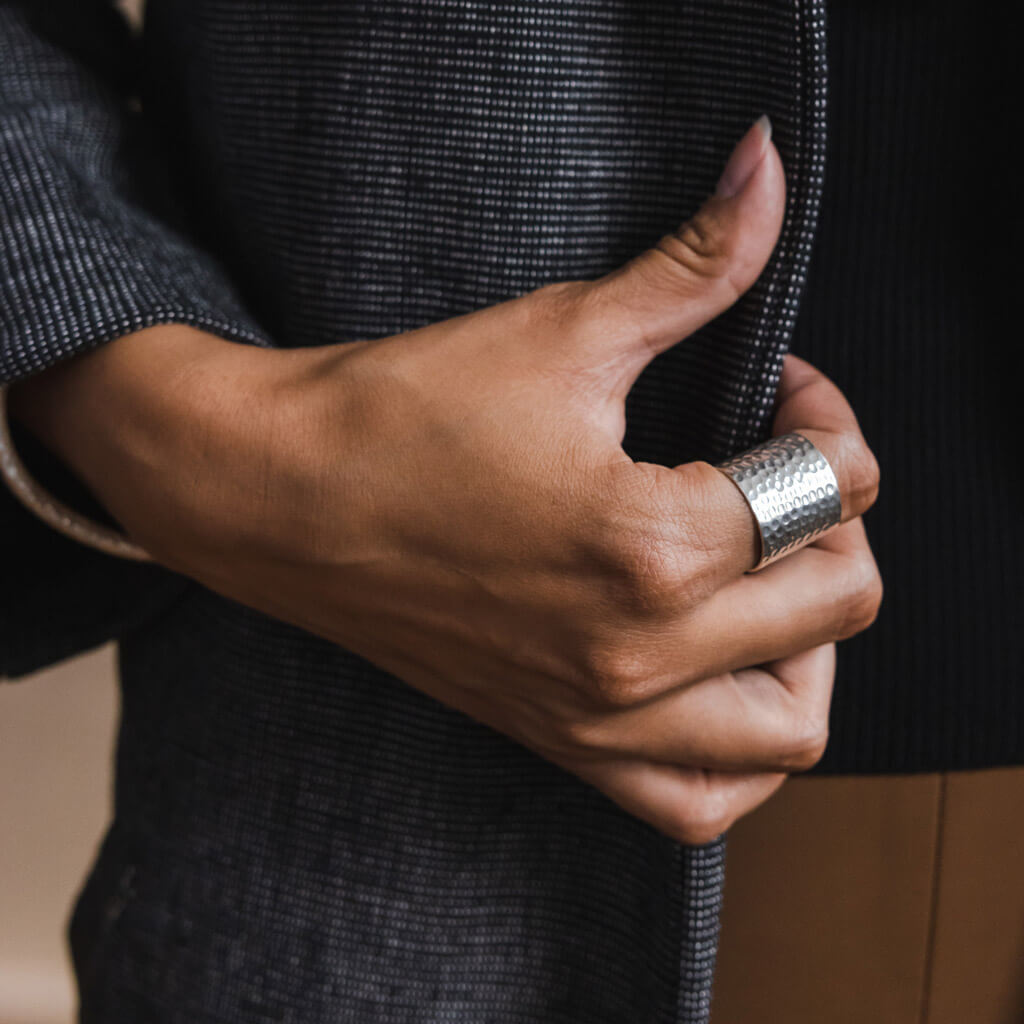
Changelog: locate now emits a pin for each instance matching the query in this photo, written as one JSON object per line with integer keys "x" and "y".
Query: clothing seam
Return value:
{"x": 810, "y": 128}
{"x": 789, "y": 278}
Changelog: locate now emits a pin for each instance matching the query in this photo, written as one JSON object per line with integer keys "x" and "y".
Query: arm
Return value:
{"x": 454, "y": 505}
{"x": 91, "y": 249}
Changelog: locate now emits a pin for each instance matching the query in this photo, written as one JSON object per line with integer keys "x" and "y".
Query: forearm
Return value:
{"x": 69, "y": 406}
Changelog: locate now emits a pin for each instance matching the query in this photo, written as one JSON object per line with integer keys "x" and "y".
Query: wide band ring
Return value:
{"x": 791, "y": 490}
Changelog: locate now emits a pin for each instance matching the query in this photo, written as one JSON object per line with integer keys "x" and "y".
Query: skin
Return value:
{"x": 454, "y": 504}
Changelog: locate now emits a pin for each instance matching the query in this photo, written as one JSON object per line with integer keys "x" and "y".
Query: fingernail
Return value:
{"x": 744, "y": 159}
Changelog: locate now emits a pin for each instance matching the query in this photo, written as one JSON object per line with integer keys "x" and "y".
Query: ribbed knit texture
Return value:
{"x": 912, "y": 282}
{"x": 298, "y": 835}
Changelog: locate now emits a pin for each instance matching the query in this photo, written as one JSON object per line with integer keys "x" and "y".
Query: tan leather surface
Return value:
{"x": 878, "y": 900}
{"x": 978, "y": 957}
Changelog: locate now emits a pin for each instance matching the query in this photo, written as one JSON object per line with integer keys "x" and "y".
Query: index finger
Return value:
{"x": 809, "y": 404}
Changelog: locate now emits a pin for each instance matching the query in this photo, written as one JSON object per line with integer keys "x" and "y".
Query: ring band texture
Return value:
{"x": 792, "y": 491}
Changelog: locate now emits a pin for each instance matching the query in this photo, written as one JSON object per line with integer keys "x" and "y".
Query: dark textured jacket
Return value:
{"x": 298, "y": 835}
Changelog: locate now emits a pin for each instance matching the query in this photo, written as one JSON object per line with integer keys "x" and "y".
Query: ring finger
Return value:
{"x": 772, "y": 718}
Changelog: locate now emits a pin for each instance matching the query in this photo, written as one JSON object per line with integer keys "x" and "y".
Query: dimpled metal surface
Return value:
{"x": 791, "y": 490}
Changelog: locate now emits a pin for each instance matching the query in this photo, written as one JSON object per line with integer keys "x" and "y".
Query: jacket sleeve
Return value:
{"x": 92, "y": 247}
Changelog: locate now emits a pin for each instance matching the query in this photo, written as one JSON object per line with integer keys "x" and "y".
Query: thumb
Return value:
{"x": 687, "y": 279}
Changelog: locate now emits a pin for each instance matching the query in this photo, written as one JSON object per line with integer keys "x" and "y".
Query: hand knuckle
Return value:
{"x": 805, "y": 745}
{"x": 649, "y": 578}
{"x": 616, "y": 675}
{"x": 704, "y": 251}
{"x": 863, "y": 473}
{"x": 652, "y": 562}
{"x": 874, "y": 592}
{"x": 701, "y": 823}
{"x": 864, "y": 596}
{"x": 641, "y": 568}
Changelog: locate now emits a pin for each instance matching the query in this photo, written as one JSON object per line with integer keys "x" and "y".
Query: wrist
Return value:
{"x": 150, "y": 422}
{"x": 146, "y": 381}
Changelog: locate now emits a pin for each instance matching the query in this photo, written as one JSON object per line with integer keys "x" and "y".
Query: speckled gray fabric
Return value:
{"x": 300, "y": 836}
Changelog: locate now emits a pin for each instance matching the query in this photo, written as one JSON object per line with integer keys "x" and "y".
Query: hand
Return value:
{"x": 454, "y": 504}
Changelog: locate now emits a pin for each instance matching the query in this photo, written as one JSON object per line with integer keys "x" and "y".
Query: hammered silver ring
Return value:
{"x": 792, "y": 491}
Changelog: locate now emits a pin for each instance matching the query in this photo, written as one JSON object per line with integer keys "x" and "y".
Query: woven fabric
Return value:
{"x": 298, "y": 835}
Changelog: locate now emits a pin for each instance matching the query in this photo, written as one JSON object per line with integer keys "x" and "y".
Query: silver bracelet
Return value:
{"x": 54, "y": 513}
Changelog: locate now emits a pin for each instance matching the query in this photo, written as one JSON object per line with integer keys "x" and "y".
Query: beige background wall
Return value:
{"x": 56, "y": 741}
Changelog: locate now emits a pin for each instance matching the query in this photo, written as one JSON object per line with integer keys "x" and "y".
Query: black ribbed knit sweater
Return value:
{"x": 913, "y": 275}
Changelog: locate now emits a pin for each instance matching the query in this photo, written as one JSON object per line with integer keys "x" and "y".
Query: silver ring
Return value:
{"x": 791, "y": 490}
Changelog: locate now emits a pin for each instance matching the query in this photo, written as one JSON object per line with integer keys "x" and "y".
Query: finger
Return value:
{"x": 767, "y": 719}
{"x": 809, "y": 403}
{"x": 691, "y": 275}
{"x": 806, "y": 396}
{"x": 711, "y": 515}
{"x": 827, "y": 591}
{"x": 689, "y": 805}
